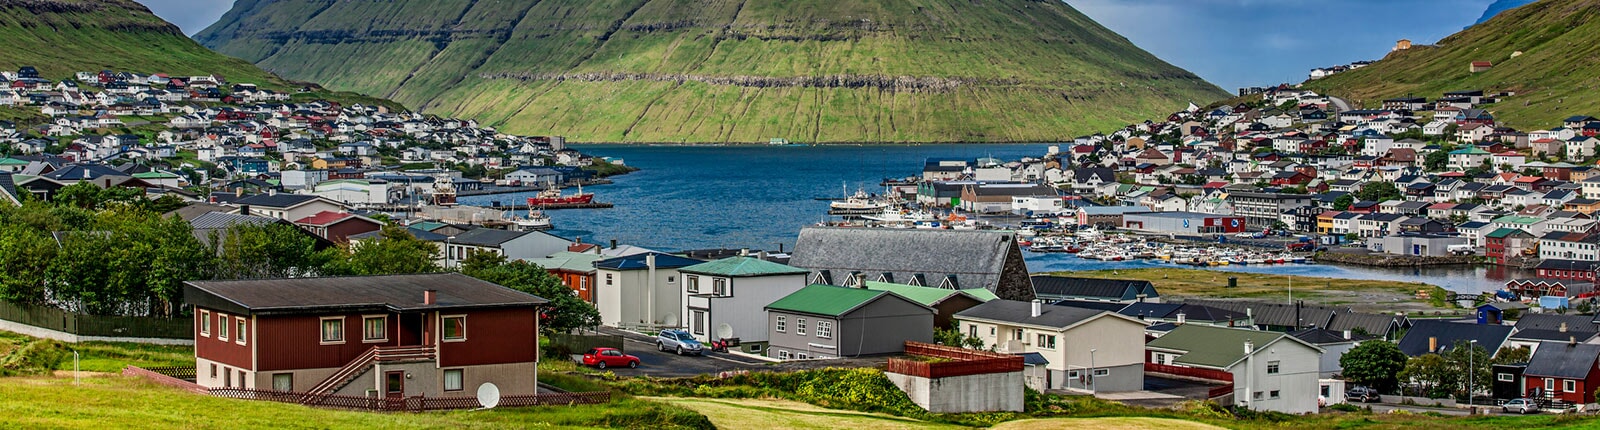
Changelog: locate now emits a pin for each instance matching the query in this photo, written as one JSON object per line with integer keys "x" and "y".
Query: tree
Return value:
{"x": 264, "y": 251}
{"x": 393, "y": 252}
{"x": 566, "y": 310}
{"x": 1512, "y": 355}
{"x": 1469, "y": 358}
{"x": 1433, "y": 375}
{"x": 1343, "y": 202}
{"x": 1378, "y": 191}
{"x": 1436, "y": 160}
{"x": 1375, "y": 364}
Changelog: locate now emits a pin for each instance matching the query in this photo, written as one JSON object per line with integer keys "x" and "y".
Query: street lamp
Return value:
{"x": 1472, "y": 349}
{"x": 1091, "y": 372}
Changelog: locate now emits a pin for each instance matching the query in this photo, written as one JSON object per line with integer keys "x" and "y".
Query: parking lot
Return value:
{"x": 670, "y": 365}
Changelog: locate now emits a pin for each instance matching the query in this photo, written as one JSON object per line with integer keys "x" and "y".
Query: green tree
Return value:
{"x": 130, "y": 262}
{"x": 25, "y": 254}
{"x": 1379, "y": 191}
{"x": 264, "y": 251}
{"x": 1436, "y": 160}
{"x": 1434, "y": 375}
{"x": 1469, "y": 358}
{"x": 1374, "y": 364}
{"x": 1512, "y": 355}
{"x": 566, "y": 310}
{"x": 393, "y": 252}
{"x": 1343, "y": 202}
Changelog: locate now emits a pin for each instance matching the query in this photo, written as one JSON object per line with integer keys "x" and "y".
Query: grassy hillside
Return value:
{"x": 1556, "y": 75}
{"x": 724, "y": 70}
{"x": 60, "y": 37}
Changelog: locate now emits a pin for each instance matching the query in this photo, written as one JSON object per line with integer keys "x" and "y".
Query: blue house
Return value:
{"x": 1494, "y": 313}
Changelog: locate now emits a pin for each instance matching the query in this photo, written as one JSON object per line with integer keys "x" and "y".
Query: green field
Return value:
{"x": 1547, "y": 52}
{"x": 32, "y": 356}
{"x": 1194, "y": 283}
{"x": 664, "y": 70}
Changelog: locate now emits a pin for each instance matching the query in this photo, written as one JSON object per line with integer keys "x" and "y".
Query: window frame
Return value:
{"x": 1569, "y": 386}
{"x": 289, "y": 375}
{"x": 1274, "y": 367}
{"x": 783, "y": 354}
{"x": 443, "y": 323}
{"x": 1100, "y": 372}
{"x": 205, "y": 323}
{"x": 781, "y": 323}
{"x": 240, "y": 325}
{"x": 222, "y": 327}
{"x": 461, "y": 379}
{"x": 1274, "y": 394}
{"x": 721, "y": 287}
{"x": 383, "y": 327}
{"x": 322, "y": 328}
{"x": 691, "y": 284}
{"x": 1505, "y": 377}
{"x": 824, "y": 329}
{"x": 800, "y": 326}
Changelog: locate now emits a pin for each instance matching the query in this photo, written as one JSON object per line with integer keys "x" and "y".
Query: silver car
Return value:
{"x": 678, "y": 341}
{"x": 1521, "y": 406}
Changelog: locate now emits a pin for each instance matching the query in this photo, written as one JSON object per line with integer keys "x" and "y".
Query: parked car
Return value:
{"x": 1521, "y": 406}
{"x": 678, "y": 341}
{"x": 608, "y": 357}
{"x": 1361, "y": 394}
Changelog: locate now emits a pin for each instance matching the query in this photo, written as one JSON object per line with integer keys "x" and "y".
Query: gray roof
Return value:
{"x": 1445, "y": 335}
{"x": 975, "y": 259}
{"x": 1553, "y": 322}
{"x": 8, "y": 187}
{"x": 1552, "y": 335}
{"x": 1021, "y": 313}
{"x": 1113, "y": 289}
{"x": 275, "y": 200}
{"x": 358, "y": 293}
{"x": 1563, "y": 360}
{"x": 222, "y": 220}
{"x": 1329, "y": 317}
{"x": 486, "y": 237}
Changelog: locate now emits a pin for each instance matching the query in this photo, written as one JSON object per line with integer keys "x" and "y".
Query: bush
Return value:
{"x": 34, "y": 358}
{"x": 1345, "y": 407}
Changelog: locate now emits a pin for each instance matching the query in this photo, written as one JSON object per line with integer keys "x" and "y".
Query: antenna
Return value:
{"x": 488, "y": 395}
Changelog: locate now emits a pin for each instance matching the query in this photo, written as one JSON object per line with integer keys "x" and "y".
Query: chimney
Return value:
{"x": 1347, "y": 335}
{"x": 244, "y": 209}
{"x": 272, "y": 191}
{"x": 1572, "y": 341}
{"x": 238, "y": 191}
{"x": 1038, "y": 308}
{"x": 613, "y": 244}
{"x": 1433, "y": 344}
{"x": 744, "y": 252}
{"x": 1182, "y": 318}
{"x": 1563, "y": 328}
{"x": 578, "y": 241}
{"x": 428, "y": 296}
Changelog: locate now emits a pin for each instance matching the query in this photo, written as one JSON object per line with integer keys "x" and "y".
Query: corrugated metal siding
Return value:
{"x": 496, "y": 336}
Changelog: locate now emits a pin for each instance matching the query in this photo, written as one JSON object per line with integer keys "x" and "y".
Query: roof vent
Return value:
{"x": 1038, "y": 308}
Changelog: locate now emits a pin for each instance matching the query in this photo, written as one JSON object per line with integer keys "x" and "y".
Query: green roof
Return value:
{"x": 743, "y": 266}
{"x": 1470, "y": 151}
{"x": 428, "y": 225}
{"x": 1502, "y": 232}
{"x": 154, "y": 175}
{"x": 569, "y": 261}
{"x": 1514, "y": 219}
{"x": 8, "y": 161}
{"x": 825, "y": 300}
{"x": 1213, "y": 347}
{"x": 928, "y": 296}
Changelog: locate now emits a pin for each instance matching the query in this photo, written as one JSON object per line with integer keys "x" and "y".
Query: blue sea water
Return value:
{"x": 758, "y": 197}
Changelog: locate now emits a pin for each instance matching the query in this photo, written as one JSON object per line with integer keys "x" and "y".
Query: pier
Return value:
{"x": 513, "y": 207}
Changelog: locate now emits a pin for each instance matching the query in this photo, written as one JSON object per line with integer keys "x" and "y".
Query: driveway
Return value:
{"x": 1163, "y": 392}
{"x": 670, "y": 365}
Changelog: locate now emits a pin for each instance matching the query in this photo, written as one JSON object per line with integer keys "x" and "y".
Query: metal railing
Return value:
{"x": 343, "y": 375}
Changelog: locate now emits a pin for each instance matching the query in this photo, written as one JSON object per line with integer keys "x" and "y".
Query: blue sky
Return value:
{"x": 1231, "y": 43}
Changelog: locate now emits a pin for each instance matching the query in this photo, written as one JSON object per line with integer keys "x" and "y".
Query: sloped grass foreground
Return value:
{"x": 23, "y": 355}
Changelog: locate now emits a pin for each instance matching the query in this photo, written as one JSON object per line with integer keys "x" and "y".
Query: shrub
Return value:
{"x": 34, "y": 358}
{"x": 1345, "y": 407}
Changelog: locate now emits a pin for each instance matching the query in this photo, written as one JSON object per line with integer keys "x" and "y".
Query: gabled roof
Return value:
{"x": 639, "y": 262}
{"x": 1320, "y": 336}
{"x": 487, "y": 237}
{"x": 974, "y": 258}
{"x": 392, "y": 293}
{"x": 1554, "y": 321}
{"x": 929, "y": 296}
{"x": 223, "y": 220}
{"x": 828, "y": 300}
{"x": 743, "y": 267}
{"x": 8, "y": 189}
{"x": 1217, "y": 347}
{"x": 1563, "y": 360}
{"x": 1111, "y": 289}
{"x": 277, "y": 200}
{"x": 569, "y": 261}
{"x": 1020, "y": 312}
{"x": 1445, "y": 335}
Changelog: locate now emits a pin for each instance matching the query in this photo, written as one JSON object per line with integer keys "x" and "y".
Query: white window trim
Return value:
{"x": 800, "y": 326}
{"x": 443, "y": 318}
{"x": 322, "y": 330}
{"x": 1102, "y": 372}
{"x": 693, "y": 284}
{"x": 443, "y": 377}
{"x": 1274, "y": 367}
{"x": 239, "y": 337}
{"x": 825, "y": 329}
{"x": 783, "y": 355}
{"x": 782, "y": 323}
{"x": 385, "y": 326}
{"x": 222, "y": 329}
{"x": 205, "y": 323}
{"x": 1504, "y": 377}
{"x": 1569, "y": 386}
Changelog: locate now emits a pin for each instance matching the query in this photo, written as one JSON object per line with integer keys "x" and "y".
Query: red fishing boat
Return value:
{"x": 552, "y": 196}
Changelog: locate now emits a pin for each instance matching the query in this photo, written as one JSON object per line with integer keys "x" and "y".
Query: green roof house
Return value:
{"x": 824, "y": 321}
{"x": 722, "y": 299}
{"x": 945, "y": 302}
{"x": 1270, "y": 371}
{"x": 575, "y": 269}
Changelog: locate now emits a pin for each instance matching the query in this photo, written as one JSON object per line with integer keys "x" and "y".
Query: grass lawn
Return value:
{"x": 1112, "y": 423}
{"x": 108, "y": 357}
{"x": 1366, "y": 294}
{"x": 786, "y": 414}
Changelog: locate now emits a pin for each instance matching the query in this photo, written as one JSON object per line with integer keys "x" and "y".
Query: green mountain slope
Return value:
{"x": 724, "y": 70}
{"x": 1556, "y": 75}
{"x": 60, "y": 37}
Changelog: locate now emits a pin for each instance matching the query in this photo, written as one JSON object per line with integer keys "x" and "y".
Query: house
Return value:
{"x": 513, "y": 245}
{"x": 1179, "y": 313}
{"x": 640, "y": 291}
{"x": 1567, "y": 269}
{"x": 824, "y": 321}
{"x": 723, "y": 299}
{"x": 1054, "y": 288}
{"x": 286, "y": 206}
{"x": 1436, "y": 337}
{"x": 1082, "y": 349}
{"x": 575, "y": 269}
{"x": 338, "y": 226}
{"x": 945, "y": 303}
{"x": 1333, "y": 343}
{"x": 1268, "y": 371}
{"x": 439, "y": 335}
{"x": 1564, "y": 371}
{"x": 953, "y": 259}
{"x": 1532, "y": 330}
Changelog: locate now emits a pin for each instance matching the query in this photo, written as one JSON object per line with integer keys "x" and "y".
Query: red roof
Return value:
{"x": 1215, "y": 184}
{"x": 1529, "y": 179}
{"x": 1442, "y": 206}
{"x": 580, "y": 247}
{"x": 1482, "y": 64}
{"x": 324, "y": 218}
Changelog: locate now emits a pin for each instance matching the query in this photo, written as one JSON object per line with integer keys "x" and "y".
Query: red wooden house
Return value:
{"x": 338, "y": 226}
{"x": 396, "y": 336}
{"x": 1565, "y": 371}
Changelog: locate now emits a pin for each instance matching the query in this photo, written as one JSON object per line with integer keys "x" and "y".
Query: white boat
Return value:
{"x": 535, "y": 220}
{"x": 859, "y": 204}
{"x": 890, "y": 214}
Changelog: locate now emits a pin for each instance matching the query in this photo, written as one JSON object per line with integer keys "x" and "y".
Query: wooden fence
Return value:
{"x": 562, "y": 344}
{"x": 411, "y": 404}
{"x": 1207, "y": 374}
{"x": 97, "y": 325}
{"x": 1219, "y": 391}
{"x": 963, "y": 362}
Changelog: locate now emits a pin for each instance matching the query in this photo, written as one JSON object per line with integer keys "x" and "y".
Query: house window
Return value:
{"x": 1568, "y": 386}
{"x": 800, "y": 326}
{"x": 692, "y": 284}
{"x": 972, "y": 330}
{"x": 1047, "y": 341}
{"x": 452, "y": 380}
{"x": 699, "y": 322}
{"x": 991, "y": 330}
{"x": 783, "y": 355}
{"x": 222, "y": 327}
{"x": 374, "y": 329}
{"x": 283, "y": 382}
{"x": 1272, "y": 367}
{"x": 1256, "y": 395}
{"x": 213, "y": 371}
{"x": 239, "y": 334}
{"x": 1273, "y": 394}
{"x": 227, "y": 378}
{"x": 333, "y": 330}
{"x": 801, "y": 356}
{"x": 782, "y": 323}
{"x": 455, "y": 328}
{"x": 1504, "y": 377}
{"x": 825, "y": 329}
{"x": 1549, "y": 384}
{"x": 241, "y": 379}
{"x": 608, "y": 279}
{"x": 583, "y": 283}
{"x": 205, "y": 323}
{"x": 1073, "y": 374}
{"x": 1102, "y": 372}
{"x": 719, "y": 287}
{"x": 1016, "y": 334}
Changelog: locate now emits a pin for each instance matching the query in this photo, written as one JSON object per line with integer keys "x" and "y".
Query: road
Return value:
{"x": 1339, "y": 104}
{"x": 671, "y": 365}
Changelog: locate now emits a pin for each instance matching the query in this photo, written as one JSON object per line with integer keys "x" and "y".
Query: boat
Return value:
{"x": 536, "y": 220}
{"x": 891, "y": 214}
{"x": 552, "y": 196}
{"x": 859, "y": 203}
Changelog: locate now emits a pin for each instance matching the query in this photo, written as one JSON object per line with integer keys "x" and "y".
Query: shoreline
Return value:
{"x": 809, "y": 144}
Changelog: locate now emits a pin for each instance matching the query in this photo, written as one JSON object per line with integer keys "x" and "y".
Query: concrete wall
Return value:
{"x": 972, "y": 393}
{"x": 1117, "y": 378}
{"x": 20, "y": 328}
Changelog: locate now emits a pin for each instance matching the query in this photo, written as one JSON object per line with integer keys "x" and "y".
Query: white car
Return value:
{"x": 1521, "y": 406}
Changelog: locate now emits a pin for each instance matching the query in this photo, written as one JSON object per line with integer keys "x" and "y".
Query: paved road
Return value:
{"x": 668, "y": 364}
{"x": 1339, "y": 104}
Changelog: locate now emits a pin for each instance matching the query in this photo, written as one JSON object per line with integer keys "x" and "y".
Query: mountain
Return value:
{"x": 1547, "y": 52}
{"x": 60, "y": 37}
{"x": 724, "y": 70}
{"x": 1501, "y": 6}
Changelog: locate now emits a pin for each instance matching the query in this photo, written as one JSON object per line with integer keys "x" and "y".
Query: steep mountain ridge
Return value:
{"x": 724, "y": 70}
{"x": 1548, "y": 52}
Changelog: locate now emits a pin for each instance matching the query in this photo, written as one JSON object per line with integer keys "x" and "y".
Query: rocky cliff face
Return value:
{"x": 724, "y": 70}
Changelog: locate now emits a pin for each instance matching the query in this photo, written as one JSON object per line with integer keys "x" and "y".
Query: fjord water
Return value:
{"x": 693, "y": 197}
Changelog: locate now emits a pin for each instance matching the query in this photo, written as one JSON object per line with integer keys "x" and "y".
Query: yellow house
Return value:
{"x": 1325, "y": 221}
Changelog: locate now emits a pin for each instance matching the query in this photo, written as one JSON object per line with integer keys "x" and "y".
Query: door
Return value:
{"x": 394, "y": 384}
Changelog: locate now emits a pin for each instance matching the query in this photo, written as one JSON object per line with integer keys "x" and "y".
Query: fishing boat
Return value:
{"x": 859, "y": 203}
{"x": 552, "y": 196}
{"x": 536, "y": 220}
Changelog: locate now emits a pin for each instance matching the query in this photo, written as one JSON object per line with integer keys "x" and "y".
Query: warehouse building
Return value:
{"x": 1183, "y": 222}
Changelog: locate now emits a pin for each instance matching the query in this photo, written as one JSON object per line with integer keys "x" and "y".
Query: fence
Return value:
{"x": 412, "y": 404}
{"x": 965, "y": 362}
{"x": 164, "y": 379}
{"x": 1219, "y": 391}
{"x": 96, "y": 325}
{"x": 1207, "y": 374}
{"x": 562, "y": 344}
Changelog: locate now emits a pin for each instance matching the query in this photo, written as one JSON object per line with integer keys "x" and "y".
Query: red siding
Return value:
{"x": 583, "y": 283}
{"x": 295, "y": 342}
{"x": 228, "y": 352}
{"x": 494, "y": 337}
{"x": 342, "y": 231}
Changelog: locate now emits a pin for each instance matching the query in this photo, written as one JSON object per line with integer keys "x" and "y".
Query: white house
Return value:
{"x": 1083, "y": 349}
{"x": 1269, "y": 371}
{"x": 725, "y": 298}
{"x": 640, "y": 291}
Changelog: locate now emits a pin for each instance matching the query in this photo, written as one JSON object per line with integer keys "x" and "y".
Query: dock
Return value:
{"x": 518, "y": 207}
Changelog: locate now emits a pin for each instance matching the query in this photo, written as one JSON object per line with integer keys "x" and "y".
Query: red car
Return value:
{"x": 607, "y": 357}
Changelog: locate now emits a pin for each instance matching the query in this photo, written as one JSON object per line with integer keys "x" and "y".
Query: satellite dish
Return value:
{"x": 488, "y": 395}
{"x": 724, "y": 331}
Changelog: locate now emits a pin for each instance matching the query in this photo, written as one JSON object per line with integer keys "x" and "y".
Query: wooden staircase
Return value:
{"x": 364, "y": 362}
